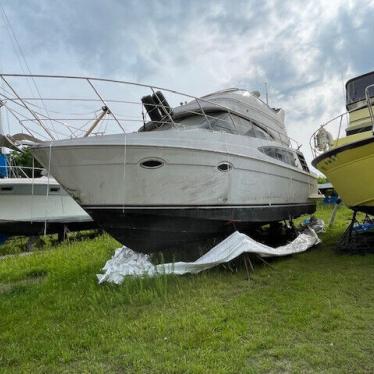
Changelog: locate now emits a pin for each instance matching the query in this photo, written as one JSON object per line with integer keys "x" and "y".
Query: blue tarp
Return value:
{"x": 333, "y": 199}
{"x": 363, "y": 227}
{"x": 3, "y": 166}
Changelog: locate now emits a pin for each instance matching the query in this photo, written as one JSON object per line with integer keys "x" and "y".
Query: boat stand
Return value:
{"x": 33, "y": 242}
{"x": 248, "y": 265}
{"x": 249, "y": 268}
{"x": 287, "y": 231}
{"x": 62, "y": 235}
{"x": 355, "y": 241}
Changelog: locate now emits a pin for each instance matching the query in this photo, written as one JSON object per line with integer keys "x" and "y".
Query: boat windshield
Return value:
{"x": 355, "y": 88}
{"x": 225, "y": 122}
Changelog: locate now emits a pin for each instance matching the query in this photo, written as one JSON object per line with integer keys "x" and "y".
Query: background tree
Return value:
{"x": 26, "y": 161}
{"x": 322, "y": 180}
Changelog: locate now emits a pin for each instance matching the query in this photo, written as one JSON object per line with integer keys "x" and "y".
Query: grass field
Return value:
{"x": 312, "y": 312}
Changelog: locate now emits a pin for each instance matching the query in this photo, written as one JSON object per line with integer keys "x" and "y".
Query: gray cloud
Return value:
{"x": 303, "y": 50}
{"x": 345, "y": 45}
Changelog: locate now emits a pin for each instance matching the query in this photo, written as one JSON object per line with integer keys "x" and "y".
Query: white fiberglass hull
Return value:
{"x": 186, "y": 195}
{"x": 27, "y": 205}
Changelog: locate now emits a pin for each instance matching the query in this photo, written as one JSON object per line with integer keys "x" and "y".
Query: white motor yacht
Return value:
{"x": 34, "y": 206}
{"x": 207, "y": 167}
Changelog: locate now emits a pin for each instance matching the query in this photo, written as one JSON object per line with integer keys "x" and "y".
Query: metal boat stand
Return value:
{"x": 356, "y": 242}
{"x": 286, "y": 230}
{"x": 33, "y": 242}
{"x": 62, "y": 235}
{"x": 249, "y": 268}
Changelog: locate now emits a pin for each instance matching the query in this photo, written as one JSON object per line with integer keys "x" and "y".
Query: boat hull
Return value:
{"x": 349, "y": 169}
{"x": 28, "y": 228}
{"x": 187, "y": 197}
{"x": 31, "y": 207}
{"x": 153, "y": 229}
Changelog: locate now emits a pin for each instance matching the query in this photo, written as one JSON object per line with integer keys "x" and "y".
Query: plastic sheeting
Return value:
{"x": 126, "y": 262}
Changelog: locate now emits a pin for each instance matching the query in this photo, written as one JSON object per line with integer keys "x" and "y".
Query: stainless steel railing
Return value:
{"x": 369, "y": 104}
{"x": 22, "y": 171}
{"x": 46, "y": 115}
{"x": 332, "y": 124}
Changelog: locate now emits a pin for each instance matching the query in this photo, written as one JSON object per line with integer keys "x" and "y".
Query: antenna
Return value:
{"x": 266, "y": 92}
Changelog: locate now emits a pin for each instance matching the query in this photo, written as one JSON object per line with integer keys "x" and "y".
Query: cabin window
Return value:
{"x": 257, "y": 132}
{"x": 151, "y": 164}
{"x": 7, "y": 188}
{"x": 348, "y": 131}
{"x": 224, "y": 166}
{"x": 249, "y": 128}
{"x": 279, "y": 154}
{"x": 225, "y": 122}
{"x": 54, "y": 189}
{"x": 356, "y": 88}
{"x": 303, "y": 163}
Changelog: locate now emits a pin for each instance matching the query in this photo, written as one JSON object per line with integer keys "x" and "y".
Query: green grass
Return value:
{"x": 309, "y": 313}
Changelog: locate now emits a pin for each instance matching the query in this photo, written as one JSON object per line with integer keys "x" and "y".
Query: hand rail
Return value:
{"x": 20, "y": 171}
{"x": 369, "y": 105}
{"x": 322, "y": 126}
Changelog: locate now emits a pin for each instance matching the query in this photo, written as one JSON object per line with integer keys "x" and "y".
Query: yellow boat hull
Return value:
{"x": 350, "y": 168}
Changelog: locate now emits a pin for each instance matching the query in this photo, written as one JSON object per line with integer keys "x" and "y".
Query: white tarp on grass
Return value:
{"x": 126, "y": 262}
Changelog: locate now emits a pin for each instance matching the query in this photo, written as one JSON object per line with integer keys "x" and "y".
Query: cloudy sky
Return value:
{"x": 305, "y": 50}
